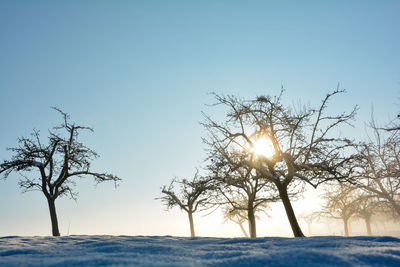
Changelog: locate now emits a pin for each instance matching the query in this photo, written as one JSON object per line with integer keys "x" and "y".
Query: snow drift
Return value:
{"x": 199, "y": 251}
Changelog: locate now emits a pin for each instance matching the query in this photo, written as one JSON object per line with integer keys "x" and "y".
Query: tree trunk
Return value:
{"x": 350, "y": 228}
{"x": 289, "y": 211}
{"x": 190, "y": 214}
{"x": 346, "y": 227}
{"x": 244, "y": 231}
{"x": 368, "y": 225}
{"x": 252, "y": 222}
{"x": 53, "y": 217}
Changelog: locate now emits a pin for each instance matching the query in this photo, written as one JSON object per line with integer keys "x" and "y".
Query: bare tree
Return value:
{"x": 368, "y": 205}
{"x": 341, "y": 203}
{"x": 239, "y": 187}
{"x": 240, "y": 216}
{"x": 309, "y": 219}
{"x": 189, "y": 196}
{"x": 305, "y": 143}
{"x": 347, "y": 201}
{"x": 237, "y": 216}
{"x": 378, "y": 170}
{"x": 58, "y": 162}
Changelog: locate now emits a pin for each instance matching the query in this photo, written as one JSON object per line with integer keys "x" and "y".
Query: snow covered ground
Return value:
{"x": 199, "y": 251}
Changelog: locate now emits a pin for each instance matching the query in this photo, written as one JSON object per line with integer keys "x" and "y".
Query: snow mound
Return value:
{"x": 199, "y": 251}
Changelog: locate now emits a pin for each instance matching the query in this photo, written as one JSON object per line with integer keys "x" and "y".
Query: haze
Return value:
{"x": 139, "y": 73}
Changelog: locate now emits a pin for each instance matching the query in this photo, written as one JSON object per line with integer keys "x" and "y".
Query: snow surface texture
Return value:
{"x": 199, "y": 251}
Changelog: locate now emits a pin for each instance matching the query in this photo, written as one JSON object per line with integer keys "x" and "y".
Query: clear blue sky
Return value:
{"x": 139, "y": 72}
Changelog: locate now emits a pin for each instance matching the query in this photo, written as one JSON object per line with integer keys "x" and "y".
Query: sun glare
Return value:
{"x": 263, "y": 147}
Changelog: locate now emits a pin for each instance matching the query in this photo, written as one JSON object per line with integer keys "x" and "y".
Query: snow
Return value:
{"x": 199, "y": 251}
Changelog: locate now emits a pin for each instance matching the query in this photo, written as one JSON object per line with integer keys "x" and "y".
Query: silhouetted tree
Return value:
{"x": 240, "y": 216}
{"x": 189, "y": 196}
{"x": 58, "y": 162}
{"x": 239, "y": 187}
{"x": 306, "y": 145}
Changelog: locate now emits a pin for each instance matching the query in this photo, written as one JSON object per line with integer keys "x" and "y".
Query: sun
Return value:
{"x": 263, "y": 147}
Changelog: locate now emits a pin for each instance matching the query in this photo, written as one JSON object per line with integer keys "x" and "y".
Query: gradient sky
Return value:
{"x": 139, "y": 72}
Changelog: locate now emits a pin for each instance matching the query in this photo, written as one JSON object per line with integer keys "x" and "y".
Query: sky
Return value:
{"x": 140, "y": 73}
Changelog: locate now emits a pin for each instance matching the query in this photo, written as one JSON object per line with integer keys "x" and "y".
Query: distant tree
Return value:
{"x": 306, "y": 146}
{"x": 378, "y": 169}
{"x": 237, "y": 216}
{"x": 368, "y": 205}
{"x": 189, "y": 195}
{"x": 240, "y": 216}
{"x": 58, "y": 162}
{"x": 341, "y": 202}
{"x": 346, "y": 201}
{"x": 239, "y": 187}
{"x": 309, "y": 219}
